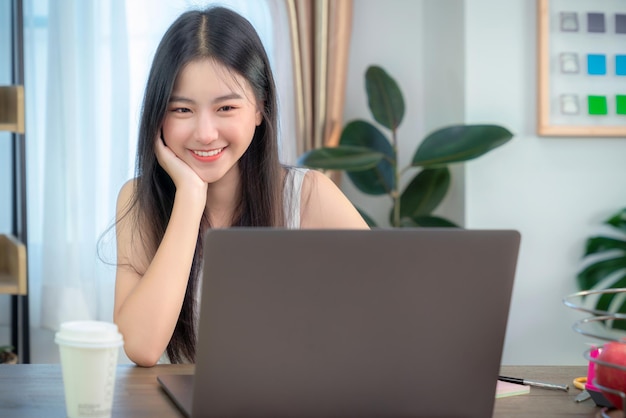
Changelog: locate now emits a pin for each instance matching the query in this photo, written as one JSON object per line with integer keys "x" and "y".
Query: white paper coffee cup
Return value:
{"x": 89, "y": 351}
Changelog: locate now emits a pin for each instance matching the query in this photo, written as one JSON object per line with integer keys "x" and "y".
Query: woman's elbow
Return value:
{"x": 142, "y": 356}
{"x": 138, "y": 346}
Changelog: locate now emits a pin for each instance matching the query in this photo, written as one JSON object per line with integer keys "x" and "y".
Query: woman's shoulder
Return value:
{"x": 306, "y": 178}
{"x": 125, "y": 195}
{"x": 313, "y": 179}
{"x": 128, "y": 187}
{"x": 325, "y": 206}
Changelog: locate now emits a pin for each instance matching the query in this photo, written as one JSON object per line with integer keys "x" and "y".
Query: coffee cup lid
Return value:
{"x": 89, "y": 334}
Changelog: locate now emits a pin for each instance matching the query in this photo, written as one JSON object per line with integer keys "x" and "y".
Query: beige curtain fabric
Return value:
{"x": 320, "y": 34}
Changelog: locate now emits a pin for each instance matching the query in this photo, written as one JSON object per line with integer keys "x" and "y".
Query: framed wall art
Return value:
{"x": 581, "y": 87}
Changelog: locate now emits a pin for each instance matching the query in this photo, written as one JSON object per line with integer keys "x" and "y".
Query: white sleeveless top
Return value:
{"x": 292, "y": 194}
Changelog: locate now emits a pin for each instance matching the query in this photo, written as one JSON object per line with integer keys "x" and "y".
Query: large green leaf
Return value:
{"x": 427, "y": 221}
{"x": 341, "y": 158}
{"x": 425, "y": 192}
{"x": 384, "y": 98}
{"x": 381, "y": 178}
{"x": 595, "y": 272}
{"x": 597, "y": 245}
{"x": 618, "y": 220}
{"x": 459, "y": 143}
{"x": 605, "y": 300}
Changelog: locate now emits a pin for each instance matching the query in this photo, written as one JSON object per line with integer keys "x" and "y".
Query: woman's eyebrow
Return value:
{"x": 231, "y": 96}
{"x": 180, "y": 99}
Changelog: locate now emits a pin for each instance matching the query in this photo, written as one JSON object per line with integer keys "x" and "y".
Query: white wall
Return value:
{"x": 555, "y": 191}
{"x": 380, "y": 31}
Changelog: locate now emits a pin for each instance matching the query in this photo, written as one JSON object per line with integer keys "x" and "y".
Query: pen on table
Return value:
{"x": 535, "y": 383}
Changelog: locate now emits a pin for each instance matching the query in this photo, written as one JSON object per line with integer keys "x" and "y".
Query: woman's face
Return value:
{"x": 211, "y": 118}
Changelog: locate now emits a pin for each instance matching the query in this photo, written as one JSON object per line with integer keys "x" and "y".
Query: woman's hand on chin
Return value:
{"x": 183, "y": 176}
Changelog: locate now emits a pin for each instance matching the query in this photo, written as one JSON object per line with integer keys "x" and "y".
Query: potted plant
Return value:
{"x": 605, "y": 268}
{"x": 7, "y": 356}
{"x": 370, "y": 158}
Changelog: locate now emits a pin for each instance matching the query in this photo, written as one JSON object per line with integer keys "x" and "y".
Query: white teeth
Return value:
{"x": 208, "y": 153}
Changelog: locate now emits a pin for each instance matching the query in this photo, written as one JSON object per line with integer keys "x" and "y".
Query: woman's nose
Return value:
{"x": 206, "y": 128}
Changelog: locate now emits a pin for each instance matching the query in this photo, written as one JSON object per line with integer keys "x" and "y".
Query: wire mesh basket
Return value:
{"x": 600, "y": 326}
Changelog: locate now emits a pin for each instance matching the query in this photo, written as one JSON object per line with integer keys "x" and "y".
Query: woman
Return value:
{"x": 207, "y": 158}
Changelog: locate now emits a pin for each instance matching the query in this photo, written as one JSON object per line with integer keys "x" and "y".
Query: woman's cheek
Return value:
{"x": 174, "y": 133}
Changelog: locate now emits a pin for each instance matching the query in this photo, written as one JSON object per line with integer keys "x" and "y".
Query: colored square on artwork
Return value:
{"x": 569, "y": 62}
{"x": 595, "y": 22}
{"x": 569, "y": 104}
{"x": 597, "y": 105}
{"x": 620, "y": 102}
{"x": 596, "y": 64}
{"x": 620, "y": 64}
{"x": 569, "y": 22}
{"x": 620, "y": 23}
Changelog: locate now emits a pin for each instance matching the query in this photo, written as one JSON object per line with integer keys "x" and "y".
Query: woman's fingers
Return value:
{"x": 183, "y": 176}
{"x": 162, "y": 152}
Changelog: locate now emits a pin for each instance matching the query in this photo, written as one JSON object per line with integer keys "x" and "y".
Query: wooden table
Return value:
{"x": 36, "y": 390}
{"x": 544, "y": 403}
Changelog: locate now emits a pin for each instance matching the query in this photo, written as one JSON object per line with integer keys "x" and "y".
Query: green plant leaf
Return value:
{"x": 594, "y": 273}
{"x": 597, "y": 245}
{"x": 620, "y": 324}
{"x": 604, "y": 304}
{"x": 459, "y": 143}
{"x": 381, "y": 178}
{"x": 612, "y": 265}
{"x": 605, "y": 300}
{"x": 618, "y": 220}
{"x": 341, "y": 158}
{"x": 425, "y": 192}
{"x": 427, "y": 221}
{"x": 384, "y": 97}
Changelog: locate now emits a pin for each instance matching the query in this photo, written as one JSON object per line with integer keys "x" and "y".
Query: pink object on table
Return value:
{"x": 591, "y": 370}
{"x": 593, "y": 390}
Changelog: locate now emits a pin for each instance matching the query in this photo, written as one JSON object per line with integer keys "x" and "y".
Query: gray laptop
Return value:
{"x": 326, "y": 323}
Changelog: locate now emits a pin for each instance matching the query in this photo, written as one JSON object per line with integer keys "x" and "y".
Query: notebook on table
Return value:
{"x": 321, "y": 323}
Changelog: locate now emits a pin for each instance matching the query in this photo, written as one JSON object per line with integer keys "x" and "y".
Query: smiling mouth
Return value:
{"x": 210, "y": 153}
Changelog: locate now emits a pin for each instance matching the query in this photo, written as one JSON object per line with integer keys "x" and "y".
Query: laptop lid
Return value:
{"x": 387, "y": 322}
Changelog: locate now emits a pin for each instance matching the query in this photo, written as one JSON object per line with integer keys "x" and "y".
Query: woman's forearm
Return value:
{"x": 148, "y": 315}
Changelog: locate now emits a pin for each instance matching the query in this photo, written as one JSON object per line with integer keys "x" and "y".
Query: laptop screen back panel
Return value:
{"x": 353, "y": 323}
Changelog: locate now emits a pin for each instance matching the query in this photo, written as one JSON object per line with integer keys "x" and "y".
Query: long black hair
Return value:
{"x": 224, "y": 36}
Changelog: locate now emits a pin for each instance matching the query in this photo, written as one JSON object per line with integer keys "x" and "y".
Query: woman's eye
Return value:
{"x": 181, "y": 110}
{"x": 226, "y": 108}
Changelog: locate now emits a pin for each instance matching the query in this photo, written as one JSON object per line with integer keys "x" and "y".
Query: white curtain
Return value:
{"x": 86, "y": 66}
{"x": 77, "y": 79}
